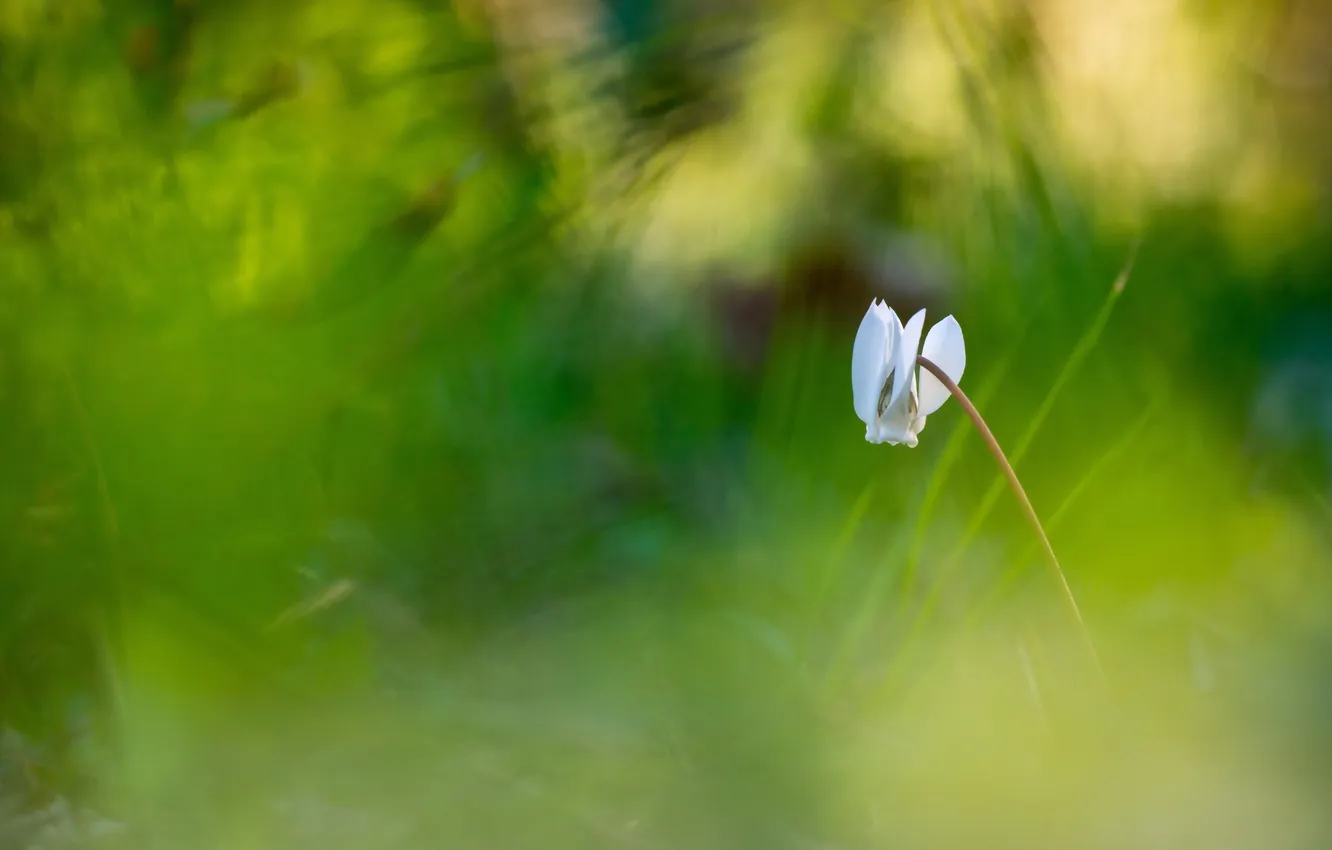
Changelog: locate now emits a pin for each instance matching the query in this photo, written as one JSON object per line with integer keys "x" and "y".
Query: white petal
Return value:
{"x": 895, "y": 427}
{"x": 904, "y": 363}
{"x": 944, "y": 348}
{"x": 893, "y": 326}
{"x": 868, "y": 369}
{"x": 918, "y": 425}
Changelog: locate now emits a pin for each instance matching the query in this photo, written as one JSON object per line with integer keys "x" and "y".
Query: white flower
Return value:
{"x": 892, "y": 397}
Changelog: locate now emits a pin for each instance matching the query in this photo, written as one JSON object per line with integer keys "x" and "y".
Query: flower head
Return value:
{"x": 892, "y": 396}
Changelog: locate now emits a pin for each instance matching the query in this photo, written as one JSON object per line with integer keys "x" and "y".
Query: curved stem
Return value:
{"x": 1018, "y": 492}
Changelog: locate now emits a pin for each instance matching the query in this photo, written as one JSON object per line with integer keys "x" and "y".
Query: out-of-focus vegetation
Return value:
{"x": 427, "y": 424}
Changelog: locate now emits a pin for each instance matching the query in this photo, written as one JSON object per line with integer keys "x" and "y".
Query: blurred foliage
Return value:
{"x": 426, "y": 424}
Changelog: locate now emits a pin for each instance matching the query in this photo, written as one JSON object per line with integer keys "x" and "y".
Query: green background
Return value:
{"x": 428, "y": 424}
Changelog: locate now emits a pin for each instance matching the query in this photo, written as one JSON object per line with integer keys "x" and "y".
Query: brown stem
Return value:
{"x": 1021, "y": 494}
